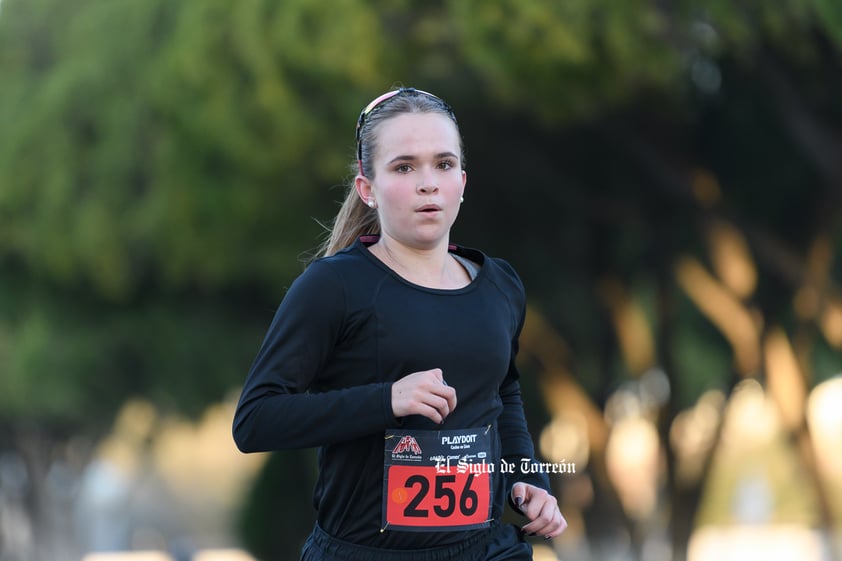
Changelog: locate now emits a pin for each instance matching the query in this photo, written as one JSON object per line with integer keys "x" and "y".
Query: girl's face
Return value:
{"x": 418, "y": 181}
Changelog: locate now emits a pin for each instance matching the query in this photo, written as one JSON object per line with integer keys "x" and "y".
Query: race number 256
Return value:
{"x": 424, "y": 496}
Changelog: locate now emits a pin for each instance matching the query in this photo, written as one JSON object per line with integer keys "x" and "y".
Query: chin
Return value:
{"x": 428, "y": 242}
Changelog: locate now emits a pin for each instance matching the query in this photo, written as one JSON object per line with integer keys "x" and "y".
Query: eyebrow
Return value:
{"x": 410, "y": 158}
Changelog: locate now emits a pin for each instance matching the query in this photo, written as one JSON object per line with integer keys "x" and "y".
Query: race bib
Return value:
{"x": 437, "y": 480}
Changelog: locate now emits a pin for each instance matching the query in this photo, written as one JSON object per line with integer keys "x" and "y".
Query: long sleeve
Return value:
{"x": 515, "y": 438}
{"x": 277, "y": 410}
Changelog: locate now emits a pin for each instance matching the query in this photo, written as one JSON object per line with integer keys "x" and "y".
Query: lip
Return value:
{"x": 428, "y": 208}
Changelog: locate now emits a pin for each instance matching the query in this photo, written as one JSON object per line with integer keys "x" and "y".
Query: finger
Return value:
{"x": 548, "y": 523}
{"x": 451, "y": 399}
{"x": 441, "y": 405}
{"x": 446, "y": 392}
{"x": 562, "y": 526}
{"x": 429, "y": 405}
{"x": 427, "y": 410}
{"x": 535, "y": 504}
{"x": 555, "y": 528}
{"x": 438, "y": 416}
{"x": 451, "y": 395}
{"x": 533, "y": 512}
{"x": 519, "y": 495}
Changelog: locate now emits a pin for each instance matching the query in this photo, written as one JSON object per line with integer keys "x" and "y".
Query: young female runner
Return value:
{"x": 394, "y": 353}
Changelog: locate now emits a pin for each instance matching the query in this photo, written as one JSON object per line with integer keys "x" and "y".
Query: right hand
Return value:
{"x": 423, "y": 393}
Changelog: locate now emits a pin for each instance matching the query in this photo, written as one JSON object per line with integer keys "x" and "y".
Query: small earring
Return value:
{"x": 371, "y": 203}
{"x": 461, "y": 199}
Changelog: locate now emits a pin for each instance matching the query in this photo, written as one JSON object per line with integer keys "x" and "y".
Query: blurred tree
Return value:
{"x": 163, "y": 167}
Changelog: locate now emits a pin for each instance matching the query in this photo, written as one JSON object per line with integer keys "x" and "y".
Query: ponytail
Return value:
{"x": 353, "y": 220}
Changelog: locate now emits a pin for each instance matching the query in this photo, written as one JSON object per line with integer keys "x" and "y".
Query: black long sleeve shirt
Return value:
{"x": 346, "y": 330}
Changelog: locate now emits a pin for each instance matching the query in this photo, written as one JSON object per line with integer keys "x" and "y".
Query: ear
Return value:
{"x": 464, "y": 181}
{"x": 363, "y": 188}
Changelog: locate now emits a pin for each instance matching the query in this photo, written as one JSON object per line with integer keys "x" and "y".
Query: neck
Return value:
{"x": 430, "y": 267}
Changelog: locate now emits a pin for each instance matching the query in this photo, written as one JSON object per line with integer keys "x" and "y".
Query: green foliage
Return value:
{"x": 72, "y": 360}
{"x": 829, "y": 18}
{"x": 564, "y": 60}
{"x": 163, "y": 139}
{"x": 193, "y": 144}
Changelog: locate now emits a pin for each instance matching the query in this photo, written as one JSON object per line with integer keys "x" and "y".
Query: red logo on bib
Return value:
{"x": 407, "y": 443}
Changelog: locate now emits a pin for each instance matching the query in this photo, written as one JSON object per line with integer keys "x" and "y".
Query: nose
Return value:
{"x": 427, "y": 185}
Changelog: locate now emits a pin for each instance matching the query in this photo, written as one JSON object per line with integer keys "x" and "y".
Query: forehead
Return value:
{"x": 417, "y": 132}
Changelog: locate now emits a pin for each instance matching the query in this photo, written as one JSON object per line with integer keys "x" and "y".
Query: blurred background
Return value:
{"x": 665, "y": 176}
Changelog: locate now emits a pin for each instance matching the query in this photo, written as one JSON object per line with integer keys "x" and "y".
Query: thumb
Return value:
{"x": 518, "y": 494}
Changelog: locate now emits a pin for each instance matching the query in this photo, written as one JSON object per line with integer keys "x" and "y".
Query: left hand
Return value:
{"x": 540, "y": 508}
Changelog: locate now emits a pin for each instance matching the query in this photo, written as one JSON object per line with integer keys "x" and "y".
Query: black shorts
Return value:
{"x": 501, "y": 542}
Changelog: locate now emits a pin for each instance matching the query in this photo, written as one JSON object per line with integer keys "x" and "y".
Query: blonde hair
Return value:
{"x": 355, "y": 218}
